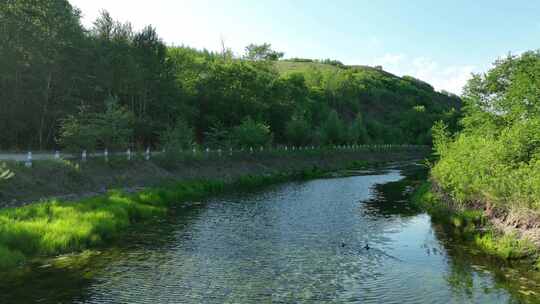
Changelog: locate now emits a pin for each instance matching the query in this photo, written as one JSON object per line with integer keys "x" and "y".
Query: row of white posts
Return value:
{"x": 147, "y": 153}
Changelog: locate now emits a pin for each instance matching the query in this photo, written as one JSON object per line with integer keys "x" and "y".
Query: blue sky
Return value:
{"x": 441, "y": 42}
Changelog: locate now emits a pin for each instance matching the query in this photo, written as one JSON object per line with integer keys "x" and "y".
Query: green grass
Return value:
{"x": 358, "y": 165}
{"x": 473, "y": 227}
{"x": 507, "y": 247}
{"x": 57, "y": 227}
{"x": 286, "y": 67}
{"x": 10, "y": 258}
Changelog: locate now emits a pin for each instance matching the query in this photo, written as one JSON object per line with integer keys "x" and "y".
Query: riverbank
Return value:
{"x": 57, "y": 226}
{"x": 71, "y": 180}
{"x": 496, "y": 233}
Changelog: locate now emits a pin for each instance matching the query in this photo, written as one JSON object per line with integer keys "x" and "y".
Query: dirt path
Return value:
{"x": 46, "y": 180}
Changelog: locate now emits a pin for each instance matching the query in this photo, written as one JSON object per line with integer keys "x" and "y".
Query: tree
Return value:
{"x": 258, "y": 52}
{"x": 39, "y": 61}
{"x": 333, "y": 129}
{"x": 112, "y": 129}
{"x": 115, "y": 126}
{"x": 177, "y": 138}
{"x": 218, "y": 137}
{"x": 357, "y": 130}
{"x": 55, "y": 75}
{"x": 251, "y": 134}
{"x": 298, "y": 131}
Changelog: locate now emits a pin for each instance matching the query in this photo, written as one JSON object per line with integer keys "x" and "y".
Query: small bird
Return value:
{"x": 342, "y": 244}
{"x": 366, "y": 247}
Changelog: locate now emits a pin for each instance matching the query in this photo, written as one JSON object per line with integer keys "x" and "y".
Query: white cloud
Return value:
{"x": 449, "y": 78}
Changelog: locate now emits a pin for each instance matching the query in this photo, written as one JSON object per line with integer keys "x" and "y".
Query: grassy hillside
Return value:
{"x": 285, "y": 67}
{"x": 391, "y": 105}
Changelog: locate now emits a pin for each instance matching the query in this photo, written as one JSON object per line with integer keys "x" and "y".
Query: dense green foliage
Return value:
{"x": 57, "y": 78}
{"x": 495, "y": 159}
{"x": 86, "y": 130}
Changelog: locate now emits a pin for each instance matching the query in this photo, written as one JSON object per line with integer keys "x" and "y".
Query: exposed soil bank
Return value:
{"x": 71, "y": 180}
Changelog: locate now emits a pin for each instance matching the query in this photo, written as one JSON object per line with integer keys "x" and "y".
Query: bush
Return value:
{"x": 333, "y": 130}
{"x": 357, "y": 131}
{"x": 251, "y": 134}
{"x": 177, "y": 138}
{"x": 112, "y": 129}
{"x": 376, "y": 131}
{"x": 298, "y": 132}
{"x": 217, "y": 137}
{"x": 496, "y": 158}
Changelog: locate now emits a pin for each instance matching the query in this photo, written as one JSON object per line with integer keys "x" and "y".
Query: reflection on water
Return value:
{"x": 295, "y": 243}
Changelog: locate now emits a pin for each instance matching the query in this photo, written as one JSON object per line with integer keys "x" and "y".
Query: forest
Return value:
{"x": 64, "y": 86}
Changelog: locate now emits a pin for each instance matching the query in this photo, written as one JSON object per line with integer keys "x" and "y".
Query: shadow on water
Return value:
{"x": 466, "y": 264}
{"x": 390, "y": 199}
{"x": 301, "y": 242}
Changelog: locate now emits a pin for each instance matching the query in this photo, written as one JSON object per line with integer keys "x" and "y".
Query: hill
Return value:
{"x": 387, "y": 101}
{"x": 111, "y": 87}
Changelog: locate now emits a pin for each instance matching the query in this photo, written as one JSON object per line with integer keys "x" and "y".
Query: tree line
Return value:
{"x": 63, "y": 85}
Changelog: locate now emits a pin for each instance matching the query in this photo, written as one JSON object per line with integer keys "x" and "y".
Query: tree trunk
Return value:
{"x": 44, "y": 111}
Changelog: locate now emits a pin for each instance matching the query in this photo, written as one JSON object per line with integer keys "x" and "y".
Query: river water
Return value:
{"x": 340, "y": 240}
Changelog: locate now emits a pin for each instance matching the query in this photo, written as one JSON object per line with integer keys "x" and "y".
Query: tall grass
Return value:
{"x": 57, "y": 227}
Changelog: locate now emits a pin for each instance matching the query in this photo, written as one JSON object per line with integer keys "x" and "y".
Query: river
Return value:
{"x": 339, "y": 240}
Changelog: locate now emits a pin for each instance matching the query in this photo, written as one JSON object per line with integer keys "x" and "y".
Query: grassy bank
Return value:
{"x": 472, "y": 226}
{"x": 74, "y": 179}
{"x": 57, "y": 227}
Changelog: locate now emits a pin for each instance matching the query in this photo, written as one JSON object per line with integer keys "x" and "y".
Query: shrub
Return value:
{"x": 111, "y": 129}
{"x": 496, "y": 157}
{"x": 251, "y": 134}
{"x": 298, "y": 132}
{"x": 177, "y": 138}
{"x": 357, "y": 131}
{"x": 333, "y": 130}
{"x": 217, "y": 137}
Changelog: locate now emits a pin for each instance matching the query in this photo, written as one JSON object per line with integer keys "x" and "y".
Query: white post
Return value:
{"x": 57, "y": 155}
{"x": 147, "y": 154}
{"x": 194, "y": 151}
{"x": 83, "y": 156}
{"x": 262, "y": 149}
{"x": 219, "y": 152}
{"x": 230, "y": 151}
{"x": 128, "y": 152}
{"x": 106, "y": 155}
{"x": 28, "y": 162}
{"x": 251, "y": 150}
{"x": 285, "y": 148}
